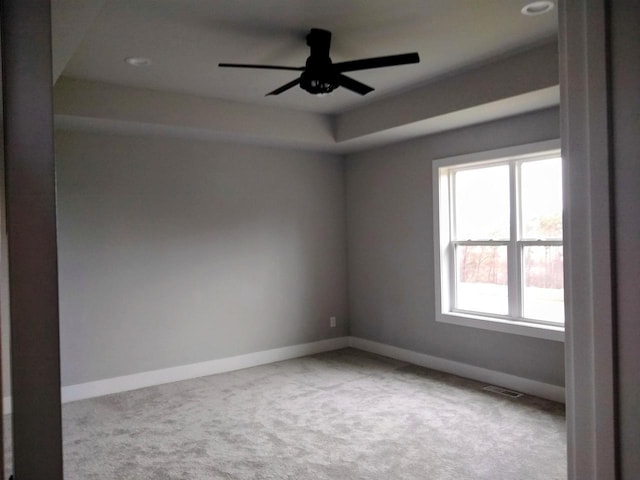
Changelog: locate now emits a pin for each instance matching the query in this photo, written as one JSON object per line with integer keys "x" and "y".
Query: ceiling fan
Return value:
{"x": 321, "y": 76}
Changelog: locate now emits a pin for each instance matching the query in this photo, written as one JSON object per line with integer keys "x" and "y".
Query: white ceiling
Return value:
{"x": 186, "y": 39}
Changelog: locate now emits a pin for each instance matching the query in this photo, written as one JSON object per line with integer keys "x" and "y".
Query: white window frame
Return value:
{"x": 444, "y": 247}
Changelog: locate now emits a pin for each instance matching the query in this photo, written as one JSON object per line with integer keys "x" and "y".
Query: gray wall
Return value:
{"x": 178, "y": 251}
{"x": 390, "y": 245}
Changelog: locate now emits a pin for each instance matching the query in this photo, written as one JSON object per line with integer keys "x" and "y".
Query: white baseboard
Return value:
{"x": 513, "y": 382}
{"x": 185, "y": 372}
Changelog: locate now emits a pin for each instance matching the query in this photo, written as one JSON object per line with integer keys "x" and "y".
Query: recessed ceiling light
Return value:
{"x": 138, "y": 61}
{"x": 537, "y": 8}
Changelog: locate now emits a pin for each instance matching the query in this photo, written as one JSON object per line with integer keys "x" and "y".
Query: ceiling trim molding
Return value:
{"x": 529, "y": 71}
{"x": 519, "y": 84}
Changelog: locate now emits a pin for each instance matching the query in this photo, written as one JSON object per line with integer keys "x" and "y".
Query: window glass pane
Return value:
{"x": 543, "y": 294}
{"x": 482, "y": 203}
{"x": 541, "y": 199}
{"x": 481, "y": 279}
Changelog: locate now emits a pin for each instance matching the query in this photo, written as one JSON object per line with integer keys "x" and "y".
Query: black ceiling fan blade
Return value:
{"x": 264, "y": 67}
{"x": 354, "y": 85}
{"x": 284, "y": 88}
{"x": 377, "y": 62}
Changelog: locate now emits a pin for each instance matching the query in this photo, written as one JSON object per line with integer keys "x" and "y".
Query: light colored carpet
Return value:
{"x": 341, "y": 415}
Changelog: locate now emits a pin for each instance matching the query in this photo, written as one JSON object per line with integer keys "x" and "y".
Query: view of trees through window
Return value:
{"x": 482, "y": 264}
{"x": 487, "y": 264}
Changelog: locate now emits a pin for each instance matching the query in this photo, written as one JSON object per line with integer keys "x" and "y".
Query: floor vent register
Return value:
{"x": 502, "y": 391}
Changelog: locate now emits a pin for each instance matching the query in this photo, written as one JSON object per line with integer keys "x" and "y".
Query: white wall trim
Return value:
{"x": 589, "y": 131}
{"x": 443, "y": 251}
{"x": 185, "y": 372}
{"x": 513, "y": 382}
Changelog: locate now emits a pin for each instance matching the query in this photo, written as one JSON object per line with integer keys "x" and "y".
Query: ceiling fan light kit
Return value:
{"x": 321, "y": 76}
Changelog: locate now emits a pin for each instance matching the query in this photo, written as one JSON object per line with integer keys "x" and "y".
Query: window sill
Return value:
{"x": 547, "y": 332}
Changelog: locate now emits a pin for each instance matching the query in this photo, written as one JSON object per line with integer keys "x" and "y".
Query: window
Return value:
{"x": 498, "y": 245}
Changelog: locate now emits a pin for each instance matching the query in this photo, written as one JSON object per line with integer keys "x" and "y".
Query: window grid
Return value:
{"x": 515, "y": 244}
{"x": 515, "y": 257}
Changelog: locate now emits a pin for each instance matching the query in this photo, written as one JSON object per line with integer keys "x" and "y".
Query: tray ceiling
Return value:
{"x": 186, "y": 39}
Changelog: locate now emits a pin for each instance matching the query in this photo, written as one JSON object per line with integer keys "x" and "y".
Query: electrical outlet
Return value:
{"x": 332, "y": 322}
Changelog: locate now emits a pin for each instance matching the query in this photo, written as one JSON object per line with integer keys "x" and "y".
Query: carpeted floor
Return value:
{"x": 341, "y": 415}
